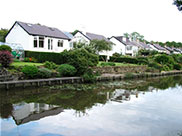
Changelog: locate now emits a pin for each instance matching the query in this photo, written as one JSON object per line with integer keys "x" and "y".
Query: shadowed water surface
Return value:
{"x": 149, "y": 107}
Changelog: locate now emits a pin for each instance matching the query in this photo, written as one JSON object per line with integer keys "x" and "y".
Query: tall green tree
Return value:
{"x": 134, "y": 36}
{"x": 3, "y": 33}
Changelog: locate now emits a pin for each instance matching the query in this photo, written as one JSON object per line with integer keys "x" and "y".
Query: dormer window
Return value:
{"x": 60, "y": 43}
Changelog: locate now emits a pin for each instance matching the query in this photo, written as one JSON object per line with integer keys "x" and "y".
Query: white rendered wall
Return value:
{"x": 18, "y": 35}
{"x": 78, "y": 37}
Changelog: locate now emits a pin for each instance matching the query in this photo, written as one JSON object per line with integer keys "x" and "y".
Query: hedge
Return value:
{"x": 44, "y": 56}
{"x": 124, "y": 60}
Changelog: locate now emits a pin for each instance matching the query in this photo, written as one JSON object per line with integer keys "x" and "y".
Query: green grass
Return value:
{"x": 18, "y": 64}
{"x": 118, "y": 64}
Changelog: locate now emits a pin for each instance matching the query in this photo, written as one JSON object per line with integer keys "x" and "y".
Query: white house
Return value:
{"x": 86, "y": 37}
{"x": 36, "y": 37}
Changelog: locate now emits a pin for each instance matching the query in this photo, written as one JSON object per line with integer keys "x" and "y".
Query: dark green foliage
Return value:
{"x": 81, "y": 59}
{"x": 143, "y": 60}
{"x": 108, "y": 64}
{"x": 5, "y": 58}
{"x": 164, "y": 59}
{"x": 26, "y": 59}
{"x": 30, "y": 71}
{"x": 102, "y": 57}
{"x": 3, "y": 33}
{"x": 165, "y": 68}
{"x": 124, "y": 60}
{"x": 155, "y": 65}
{"x": 5, "y": 48}
{"x": 177, "y": 66}
{"x": 100, "y": 45}
{"x": 66, "y": 70}
{"x": 44, "y": 73}
{"x": 44, "y": 56}
{"x": 178, "y": 3}
{"x": 117, "y": 55}
{"x": 50, "y": 65}
{"x": 89, "y": 76}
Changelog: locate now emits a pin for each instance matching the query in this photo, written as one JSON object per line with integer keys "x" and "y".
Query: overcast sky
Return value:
{"x": 157, "y": 20}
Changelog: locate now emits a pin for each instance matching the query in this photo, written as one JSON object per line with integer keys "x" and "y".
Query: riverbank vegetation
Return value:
{"x": 80, "y": 60}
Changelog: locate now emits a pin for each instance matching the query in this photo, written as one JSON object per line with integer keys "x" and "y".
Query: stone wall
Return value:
{"x": 120, "y": 69}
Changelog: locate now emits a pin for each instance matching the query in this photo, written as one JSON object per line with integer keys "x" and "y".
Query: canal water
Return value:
{"x": 145, "y": 107}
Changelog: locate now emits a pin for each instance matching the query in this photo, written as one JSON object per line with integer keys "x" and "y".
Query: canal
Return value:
{"x": 142, "y": 107}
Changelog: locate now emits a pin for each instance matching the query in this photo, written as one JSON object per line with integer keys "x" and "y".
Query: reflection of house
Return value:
{"x": 119, "y": 95}
{"x": 25, "y": 112}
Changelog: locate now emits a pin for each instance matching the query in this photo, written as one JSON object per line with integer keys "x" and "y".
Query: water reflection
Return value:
{"x": 103, "y": 102}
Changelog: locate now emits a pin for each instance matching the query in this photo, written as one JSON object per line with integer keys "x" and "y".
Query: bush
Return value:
{"x": 50, "y": 65}
{"x": 142, "y": 60}
{"x": 155, "y": 65}
{"x": 81, "y": 59}
{"x": 5, "y": 58}
{"x": 102, "y": 57}
{"x": 108, "y": 64}
{"x": 164, "y": 59}
{"x": 117, "y": 55}
{"x": 66, "y": 70}
{"x": 5, "y": 48}
{"x": 177, "y": 66}
{"x": 165, "y": 68}
{"x": 124, "y": 60}
{"x": 30, "y": 71}
{"x": 44, "y": 73}
{"x": 89, "y": 76}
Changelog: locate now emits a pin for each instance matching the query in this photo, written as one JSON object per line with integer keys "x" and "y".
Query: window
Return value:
{"x": 50, "y": 45}
{"x": 35, "y": 42}
{"x": 60, "y": 43}
{"x": 41, "y": 42}
{"x": 71, "y": 44}
{"x": 129, "y": 47}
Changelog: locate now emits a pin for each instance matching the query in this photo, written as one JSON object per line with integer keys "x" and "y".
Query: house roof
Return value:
{"x": 159, "y": 47}
{"x": 92, "y": 36}
{"x": 144, "y": 45}
{"x": 41, "y": 30}
{"x": 120, "y": 39}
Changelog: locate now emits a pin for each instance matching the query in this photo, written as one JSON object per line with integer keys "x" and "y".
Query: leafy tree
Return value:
{"x": 100, "y": 45}
{"x": 3, "y": 33}
{"x": 178, "y": 3}
{"x": 134, "y": 36}
{"x": 73, "y": 33}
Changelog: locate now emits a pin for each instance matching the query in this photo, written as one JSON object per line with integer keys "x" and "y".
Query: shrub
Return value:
{"x": 117, "y": 55}
{"x": 108, "y": 64}
{"x": 66, "y": 70}
{"x": 50, "y": 65}
{"x": 102, "y": 57}
{"x": 44, "y": 73}
{"x": 124, "y": 60}
{"x": 155, "y": 65}
{"x": 177, "y": 66}
{"x": 30, "y": 71}
{"x": 5, "y": 58}
{"x": 89, "y": 76}
{"x": 164, "y": 59}
{"x": 142, "y": 60}
{"x": 5, "y": 48}
{"x": 31, "y": 59}
{"x": 165, "y": 68}
{"x": 81, "y": 59}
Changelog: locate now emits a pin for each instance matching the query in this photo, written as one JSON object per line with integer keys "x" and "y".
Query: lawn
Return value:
{"x": 18, "y": 64}
{"x": 118, "y": 64}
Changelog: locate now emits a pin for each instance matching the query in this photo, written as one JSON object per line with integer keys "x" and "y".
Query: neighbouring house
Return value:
{"x": 36, "y": 37}
{"x": 119, "y": 45}
{"x": 86, "y": 37}
{"x": 158, "y": 48}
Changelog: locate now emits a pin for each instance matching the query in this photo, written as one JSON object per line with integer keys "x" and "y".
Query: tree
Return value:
{"x": 178, "y": 3}
{"x": 3, "y": 33}
{"x": 134, "y": 36}
{"x": 73, "y": 33}
{"x": 100, "y": 45}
